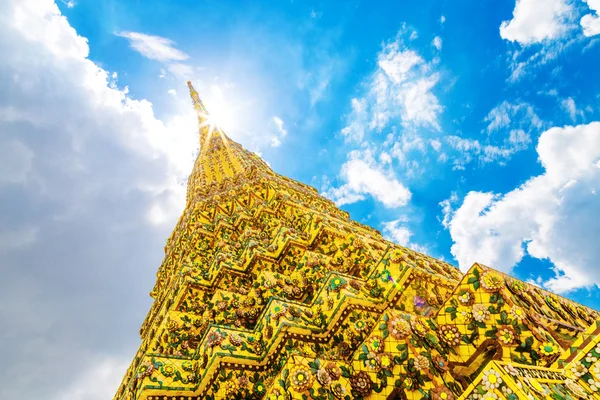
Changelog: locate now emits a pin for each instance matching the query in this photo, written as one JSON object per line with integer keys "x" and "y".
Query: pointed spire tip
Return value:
{"x": 198, "y": 105}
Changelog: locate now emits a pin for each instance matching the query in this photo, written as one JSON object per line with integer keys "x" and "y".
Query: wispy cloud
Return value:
{"x": 154, "y": 47}
{"x": 182, "y": 71}
{"x": 163, "y": 50}
{"x": 512, "y": 114}
{"x": 279, "y": 124}
{"x": 510, "y": 126}
{"x": 398, "y": 96}
{"x": 398, "y": 232}
{"x": 570, "y": 107}
{"x": 280, "y": 131}
{"x": 472, "y": 149}
{"x": 400, "y": 90}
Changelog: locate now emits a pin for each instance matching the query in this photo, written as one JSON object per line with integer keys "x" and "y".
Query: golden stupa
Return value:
{"x": 268, "y": 290}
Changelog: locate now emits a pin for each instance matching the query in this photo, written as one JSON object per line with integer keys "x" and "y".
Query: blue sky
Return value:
{"x": 466, "y": 130}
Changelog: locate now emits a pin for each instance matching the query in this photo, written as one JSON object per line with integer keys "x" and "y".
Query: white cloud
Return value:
{"x": 437, "y": 42}
{"x": 316, "y": 81}
{"x": 16, "y": 159}
{"x": 421, "y": 106}
{"x": 473, "y": 149}
{"x": 358, "y": 122}
{"x": 182, "y": 71}
{"x": 400, "y": 89}
{"x": 397, "y": 64}
{"x": 509, "y": 130}
{"x": 279, "y": 124}
{"x": 570, "y": 107}
{"x": 97, "y": 382}
{"x": 591, "y": 22}
{"x": 537, "y": 20}
{"x": 396, "y": 232}
{"x": 398, "y": 92}
{"x": 518, "y": 138}
{"x": 275, "y": 141}
{"x": 385, "y": 158}
{"x": 548, "y": 24}
{"x": 17, "y": 238}
{"x": 447, "y": 211}
{"x": 163, "y": 50}
{"x": 154, "y": 47}
{"x": 551, "y": 216}
{"x": 172, "y": 92}
{"x": 442, "y": 19}
{"x": 499, "y": 117}
{"x": 508, "y": 114}
{"x": 281, "y": 132}
{"x": 364, "y": 177}
{"x": 86, "y": 173}
{"x": 405, "y": 145}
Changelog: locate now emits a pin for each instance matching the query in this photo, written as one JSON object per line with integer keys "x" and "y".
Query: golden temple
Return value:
{"x": 268, "y": 290}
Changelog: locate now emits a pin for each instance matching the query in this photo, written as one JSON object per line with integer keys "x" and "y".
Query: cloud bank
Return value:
{"x": 552, "y": 216}
{"x": 90, "y": 186}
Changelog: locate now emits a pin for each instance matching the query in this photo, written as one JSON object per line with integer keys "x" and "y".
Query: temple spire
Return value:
{"x": 268, "y": 289}
{"x": 205, "y": 126}
{"x": 198, "y": 105}
{"x": 220, "y": 159}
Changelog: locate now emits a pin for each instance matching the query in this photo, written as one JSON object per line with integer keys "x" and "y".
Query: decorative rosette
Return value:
{"x": 361, "y": 383}
{"x": 480, "y": 313}
{"x": 301, "y": 378}
{"x": 506, "y": 334}
{"x": 323, "y": 377}
{"x": 548, "y": 349}
{"x": 167, "y": 369}
{"x": 421, "y": 363}
{"x": 450, "y": 335}
{"x": 441, "y": 392}
{"x": 491, "y": 281}
{"x": 398, "y": 327}
{"x": 491, "y": 379}
{"x": 419, "y": 327}
{"x": 334, "y": 371}
{"x": 375, "y": 344}
{"x": 466, "y": 297}
{"x": 213, "y": 339}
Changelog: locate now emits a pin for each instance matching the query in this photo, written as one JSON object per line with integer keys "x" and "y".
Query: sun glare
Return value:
{"x": 220, "y": 112}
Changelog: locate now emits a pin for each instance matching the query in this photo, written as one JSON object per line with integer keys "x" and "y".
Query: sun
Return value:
{"x": 220, "y": 112}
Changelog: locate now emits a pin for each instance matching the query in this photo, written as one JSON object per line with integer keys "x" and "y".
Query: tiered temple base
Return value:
{"x": 267, "y": 290}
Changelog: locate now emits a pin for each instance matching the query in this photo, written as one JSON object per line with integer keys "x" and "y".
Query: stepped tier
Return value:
{"x": 268, "y": 290}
